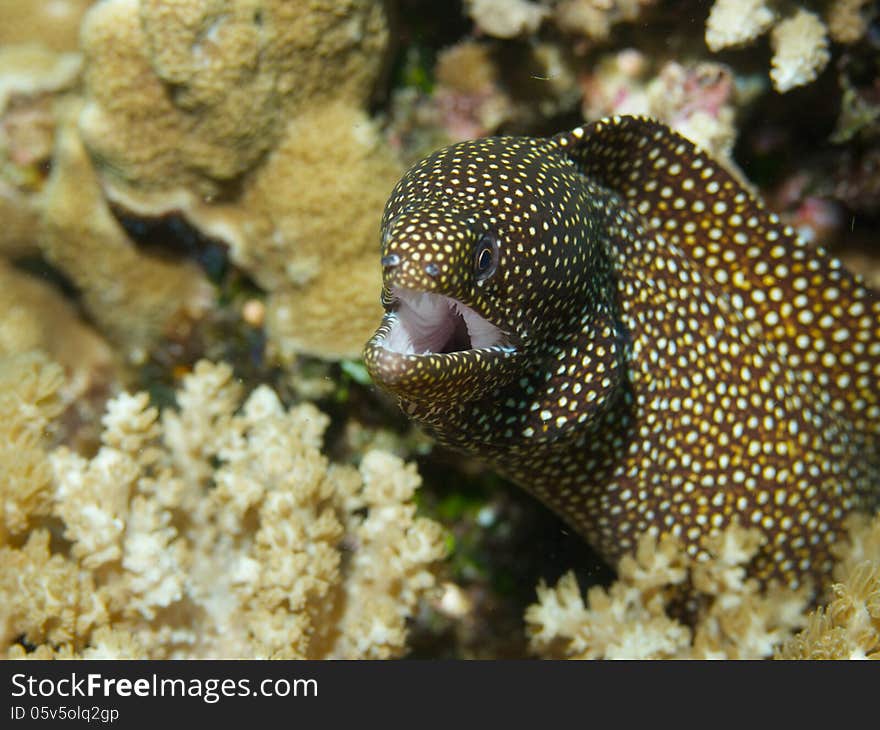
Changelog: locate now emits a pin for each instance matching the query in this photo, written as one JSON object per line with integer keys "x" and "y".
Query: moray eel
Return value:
{"x": 613, "y": 322}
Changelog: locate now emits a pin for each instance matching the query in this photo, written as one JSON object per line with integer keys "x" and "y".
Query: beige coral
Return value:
{"x": 52, "y": 23}
{"x": 635, "y": 617}
{"x": 134, "y": 297}
{"x": 37, "y": 317}
{"x": 217, "y": 529}
{"x": 306, "y": 228}
{"x": 799, "y": 39}
{"x": 506, "y": 18}
{"x": 848, "y": 20}
{"x": 594, "y": 19}
{"x": 737, "y": 22}
{"x": 848, "y": 627}
{"x": 248, "y": 118}
{"x": 31, "y": 77}
{"x": 800, "y": 50}
{"x": 30, "y": 388}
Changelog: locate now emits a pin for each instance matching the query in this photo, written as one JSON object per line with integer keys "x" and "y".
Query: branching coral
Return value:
{"x": 800, "y": 50}
{"x": 595, "y": 18}
{"x": 506, "y": 18}
{"x": 29, "y": 399}
{"x": 218, "y": 529}
{"x": 635, "y": 617}
{"x": 591, "y": 19}
{"x": 737, "y": 22}
{"x": 848, "y": 627}
{"x": 800, "y": 40}
{"x": 848, "y": 19}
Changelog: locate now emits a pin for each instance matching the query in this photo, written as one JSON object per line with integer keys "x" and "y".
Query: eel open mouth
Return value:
{"x": 425, "y": 323}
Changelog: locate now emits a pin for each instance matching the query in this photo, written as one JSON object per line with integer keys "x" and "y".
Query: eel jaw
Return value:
{"x": 433, "y": 349}
{"x": 424, "y": 323}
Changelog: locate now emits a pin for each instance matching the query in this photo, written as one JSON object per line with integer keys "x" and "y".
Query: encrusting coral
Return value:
{"x": 37, "y": 317}
{"x": 31, "y": 77}
{"x": 53, "y": 207}
{"x": 248, "y": 118}
{"x": 134, "y": 297}
{"x": 217, "y": 529}
{"x": 53, "y": 24}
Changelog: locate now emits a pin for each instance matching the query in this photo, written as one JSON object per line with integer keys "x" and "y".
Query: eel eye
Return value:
{"x": 486, "y": 257}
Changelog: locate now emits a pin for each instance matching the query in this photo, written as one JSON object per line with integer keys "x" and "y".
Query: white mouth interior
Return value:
{"x": 427, "y": 323}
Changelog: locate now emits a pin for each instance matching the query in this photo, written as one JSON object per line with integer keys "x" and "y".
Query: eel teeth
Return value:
{"x": 425, "y": 323}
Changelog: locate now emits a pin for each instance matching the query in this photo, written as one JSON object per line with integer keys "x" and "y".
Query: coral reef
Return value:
{"x": 848, "y": 627}
{"x": 29, "y": 400}
{"x": 134, "y": 297}
{"x": 148, "y": 148}
{"x": 799, "y": 40}
{"x": 506, "y": 18}
{"x": 30, "y": 78}
{"x": 594, "y": 19}
{"x": 734, "y": 617}
{"x": 699, "y": 100}
{"x": 800, "y": 50}
{"x": 217, "y": 529}
{"x": 228, "y": 114}
{"x": 53, "y": 206}
{"x": 52, "y": 23}
{"x": 37, "y": 317}
{"x": 731, "y": 616}
{"x": 848, "y": 19}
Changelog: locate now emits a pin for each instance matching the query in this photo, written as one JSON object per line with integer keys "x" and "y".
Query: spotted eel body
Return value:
{"x": 614, "y": 323}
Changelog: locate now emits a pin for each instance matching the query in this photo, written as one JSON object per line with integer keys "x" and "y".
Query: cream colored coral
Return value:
{"x": 800, "y": 50}
{"x": 30, "y": 388}
{"x": 627, "y": 621}
{"x": 595, "y": 18}
{"x": 46, "y": 597}
{"x": 847, "y": 20}
{"x": 219, "y": 529}
{"x": 848, "y": 627}
{"x": 737, "y": 22}
{"x": 506, "y": 18}
{"x": 633, "y": 618}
